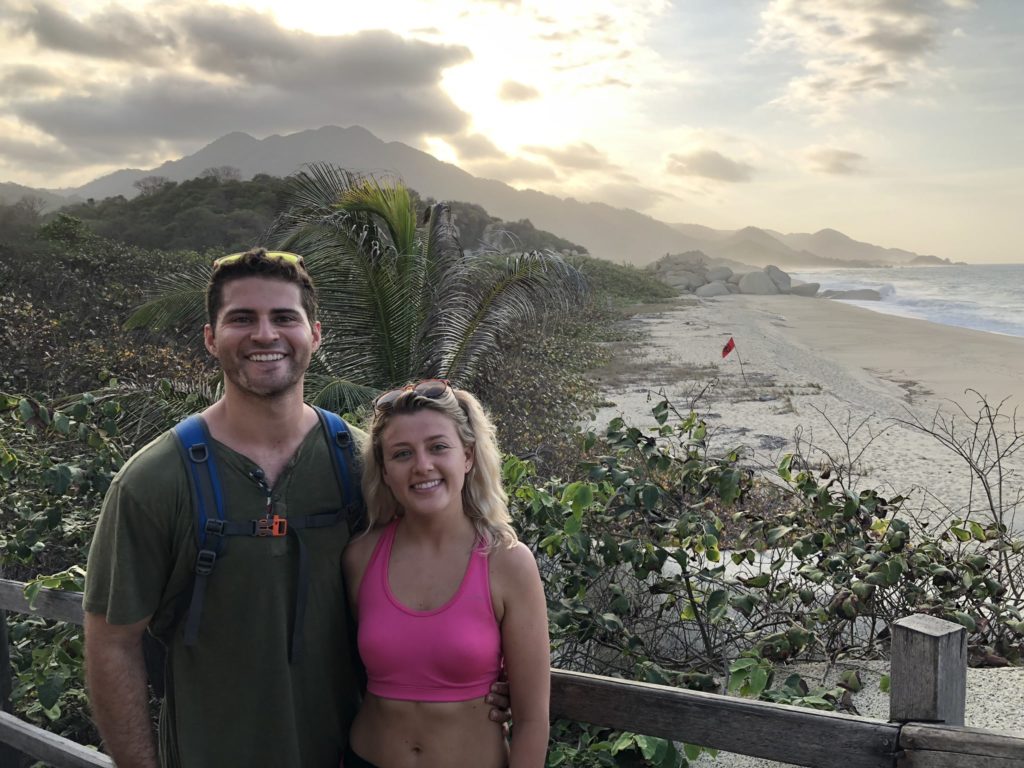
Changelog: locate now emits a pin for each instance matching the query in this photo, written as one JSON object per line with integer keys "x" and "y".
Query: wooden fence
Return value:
{"x": 928, "y": 686}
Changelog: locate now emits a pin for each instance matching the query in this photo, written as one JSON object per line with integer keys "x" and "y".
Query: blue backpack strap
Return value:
{"x": 194, "y": 444}
{"x": 342, "y": 452}
{"x": 342, "y": 455}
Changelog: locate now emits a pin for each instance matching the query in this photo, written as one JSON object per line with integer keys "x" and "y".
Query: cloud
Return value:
{"x": 512, "y": 91}
{"x": 581, "y": 156}
{"x": 27, "y": 76}
{"x": 853, "y": 50}
{"x": 512, "y": 170}
{"x": 474, "y": 146}
{"x": 231, "y": 70}
{"x": 31, "y": 155}
{"x": 839, "y": 162}
{"x": 635, "y": 196}
{"x": 251, "y": 46}
{"x": 709, "y": 164}
{"x": 111, "y": 34}
{"x": 179, "y": 108}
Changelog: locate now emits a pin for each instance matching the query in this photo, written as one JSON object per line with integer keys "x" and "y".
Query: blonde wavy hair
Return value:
{"x": 484, "y": 500}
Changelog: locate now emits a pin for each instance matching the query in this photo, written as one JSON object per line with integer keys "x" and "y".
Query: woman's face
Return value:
{"x": 425, "y": 462}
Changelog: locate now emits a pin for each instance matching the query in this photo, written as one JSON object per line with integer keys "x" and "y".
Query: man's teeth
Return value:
{"x": 426, "y": 485}
{"x": 267, "y": 358}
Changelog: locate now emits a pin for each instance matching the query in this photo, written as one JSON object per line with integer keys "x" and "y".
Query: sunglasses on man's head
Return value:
{"x": 283, "y": 256}
{"x": 431, "y": 388}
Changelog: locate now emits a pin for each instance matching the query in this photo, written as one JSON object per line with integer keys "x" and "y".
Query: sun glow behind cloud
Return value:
{"x": 792, "y": 114}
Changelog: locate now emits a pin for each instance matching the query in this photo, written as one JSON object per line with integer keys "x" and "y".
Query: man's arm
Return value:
{"x": 115, "y": 674}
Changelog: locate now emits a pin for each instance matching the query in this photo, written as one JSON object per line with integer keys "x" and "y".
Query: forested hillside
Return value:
{"x": 217, "y": 210}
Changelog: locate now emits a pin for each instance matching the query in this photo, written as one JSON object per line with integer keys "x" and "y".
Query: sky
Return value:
{"x": 897, "y": 122}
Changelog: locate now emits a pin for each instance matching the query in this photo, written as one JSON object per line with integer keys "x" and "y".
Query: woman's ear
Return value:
{"x": 469, "y": 459}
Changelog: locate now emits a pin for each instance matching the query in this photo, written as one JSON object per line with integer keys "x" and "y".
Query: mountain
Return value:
{"x": 612, "y": 233}
{"x": 11, "y": 193}
{"x": 617, "y": 234}
{"x": 830, "y": 244}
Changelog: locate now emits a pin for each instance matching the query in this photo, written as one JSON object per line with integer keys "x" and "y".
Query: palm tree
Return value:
{"x": 399, "y": 299}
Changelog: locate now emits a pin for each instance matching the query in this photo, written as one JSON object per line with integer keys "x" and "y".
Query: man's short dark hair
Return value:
{"x": 258, "y": 262}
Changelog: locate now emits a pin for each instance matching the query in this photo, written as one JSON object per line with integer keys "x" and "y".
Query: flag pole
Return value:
{"x": 729, "y": 348}
{"x": 741, "y": 367}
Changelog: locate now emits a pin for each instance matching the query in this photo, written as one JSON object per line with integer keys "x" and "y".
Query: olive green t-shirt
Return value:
{"x": 234, "y": 699}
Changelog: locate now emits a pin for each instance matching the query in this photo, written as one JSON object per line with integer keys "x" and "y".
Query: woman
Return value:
{"x": 443, "y": 593}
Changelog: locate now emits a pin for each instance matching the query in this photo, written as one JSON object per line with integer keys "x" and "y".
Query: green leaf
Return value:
{"x": 625, "y": 741}
{"x": 650, "y": 496}
{"x": 49, "y": 691}
{"x": 31, "y": 592}
{"x": 744, "y": 604}
{"x": 651, "y": 747}
{"x": 744, "y": 663}
{"x": 883, "y": 684}
{"x": 758, "y": 680}
{"x": 774, "y": 535}
{"x": 729, "y": 485}
{"x": 691, "y": 751}
{"x": 25, "y": 410}
{"x": 61, "y": 422}
{"x": 850, "y": 680}
{"x": 759, "y": 581}
{"x": 579, "y": 495}
{"x": 784, "y": 467}
{"x": 965, "y": 620}
{"x": 960, "y": 533}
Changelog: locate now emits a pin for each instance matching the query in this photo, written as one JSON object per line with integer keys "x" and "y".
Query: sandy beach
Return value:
{"x": 809, "y": 362}
{"x": 814, "y": 370}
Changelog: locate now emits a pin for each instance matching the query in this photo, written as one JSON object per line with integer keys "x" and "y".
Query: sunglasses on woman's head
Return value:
{"x": 283, "y": 256}
{"x": 431, "y": 388}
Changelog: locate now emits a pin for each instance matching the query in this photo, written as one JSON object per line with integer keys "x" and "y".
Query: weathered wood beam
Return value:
{"x": 49, "y": 603}
{"x": 49, "y": 747}
{"x": 931, "y": 745}
{"x": 792, "y": 735}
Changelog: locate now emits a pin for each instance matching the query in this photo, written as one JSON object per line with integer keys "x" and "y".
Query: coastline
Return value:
{"x": 809, "y": 362}
{"x": 814, "y": 367}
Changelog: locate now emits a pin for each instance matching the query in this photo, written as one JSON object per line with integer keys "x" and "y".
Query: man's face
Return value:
{"x": 262, "y": 338}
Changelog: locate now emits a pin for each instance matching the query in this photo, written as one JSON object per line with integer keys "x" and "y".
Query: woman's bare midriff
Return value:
{"x": 416, "y": 734}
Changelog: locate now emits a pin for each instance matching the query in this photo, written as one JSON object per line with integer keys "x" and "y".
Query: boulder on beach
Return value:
{"x": 805, "y": 289}
{"x": 858, "y": 294}
{"x": 780, "y": 278}
{"x": 714, "y": 288}
{"x": 719, "y": 273}
{"x": 758, "y": 284}
{"x": 684, "y": 279}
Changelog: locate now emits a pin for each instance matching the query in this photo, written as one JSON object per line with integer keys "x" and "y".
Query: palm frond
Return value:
{"x": 147, "y": 412}
{"x": 390, "y": 202}
{"x": 497, "y": 300}
{"x": 178, "y": 301}
{"x": 337, "y": 394}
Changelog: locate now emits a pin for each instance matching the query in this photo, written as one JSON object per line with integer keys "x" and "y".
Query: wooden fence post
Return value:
{"x": 9, "y": 756}
{"x": 928, "y": 676}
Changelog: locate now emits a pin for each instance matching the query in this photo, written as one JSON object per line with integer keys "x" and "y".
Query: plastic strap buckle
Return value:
{"x": 215, "y": 527}
{"x": 270, "y": 526}
{"x": 205, "y": 562}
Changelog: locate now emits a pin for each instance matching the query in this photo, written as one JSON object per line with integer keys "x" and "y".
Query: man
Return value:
{"x": 253, "y": 690}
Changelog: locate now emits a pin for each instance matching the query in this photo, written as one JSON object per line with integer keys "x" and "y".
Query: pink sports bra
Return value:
{"x": 452, "y": 653}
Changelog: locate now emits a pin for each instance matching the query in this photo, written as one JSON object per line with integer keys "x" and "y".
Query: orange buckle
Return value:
{"x": 271, "y": 526}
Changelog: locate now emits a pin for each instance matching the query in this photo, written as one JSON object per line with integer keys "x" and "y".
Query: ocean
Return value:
{"x": 985, "y": 297}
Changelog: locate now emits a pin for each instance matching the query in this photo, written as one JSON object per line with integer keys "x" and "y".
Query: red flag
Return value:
{"x": 730, "y": 345}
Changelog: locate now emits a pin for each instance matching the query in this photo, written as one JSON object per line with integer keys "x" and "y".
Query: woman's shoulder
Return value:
{"x": 513, "y": 564}
{"x": 360, "y": 547}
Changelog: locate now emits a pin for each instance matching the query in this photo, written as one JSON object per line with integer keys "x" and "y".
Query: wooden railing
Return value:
{"x": 928, "y": 686}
